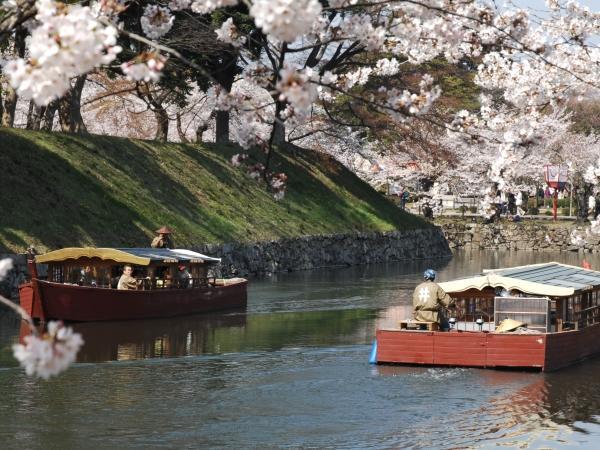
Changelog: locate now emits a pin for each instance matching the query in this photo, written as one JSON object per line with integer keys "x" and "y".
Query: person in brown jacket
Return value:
{"x": 127, "y": 281}
{"x": 163, "y": 240}
{"x": 430, "y": 301}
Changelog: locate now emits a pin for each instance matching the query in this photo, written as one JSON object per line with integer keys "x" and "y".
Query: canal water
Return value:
{"x": 292, "y": 371}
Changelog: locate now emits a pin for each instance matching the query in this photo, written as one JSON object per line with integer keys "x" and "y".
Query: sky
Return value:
{"x": 594, "y": 5}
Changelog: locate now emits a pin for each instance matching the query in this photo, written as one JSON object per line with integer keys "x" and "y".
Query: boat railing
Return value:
{"x": 181, "y": 283}
{"x": 156, "y": 283}
{"x": 586, "y": 317}
{"x": 469, "y": 309}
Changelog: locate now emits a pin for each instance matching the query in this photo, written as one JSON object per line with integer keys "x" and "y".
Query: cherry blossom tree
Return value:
{"x": 306, "y": 53}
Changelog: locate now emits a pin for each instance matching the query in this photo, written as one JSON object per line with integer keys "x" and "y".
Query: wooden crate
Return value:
{"x": 416, "y": 324}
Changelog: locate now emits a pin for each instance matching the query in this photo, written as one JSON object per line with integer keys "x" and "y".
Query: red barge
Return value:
{"x": 81, "y": 285}
{"x": 560, "y": 304}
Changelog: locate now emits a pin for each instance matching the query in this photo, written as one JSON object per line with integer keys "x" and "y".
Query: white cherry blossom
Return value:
{"x": 297, "y": 88}
{"x": 208, "y": 6}
{"x": 147, "y": 67}
{"x": 68, "y": 42}
{"x": 6, "y": 265}
{"x": 229, "y": 34}
{"x": 50, "y": 354}
{"x": 387, "y": 67}
{"x": 156, "y": 21}
{"x": 238, "y": 158}
{"x": 286, "y": 20}
{"x": 178, "y": 5}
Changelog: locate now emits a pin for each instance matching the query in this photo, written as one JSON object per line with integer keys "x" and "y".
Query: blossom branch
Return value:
{"x": 167, "y": 50}
{"x": 19, "y": 310}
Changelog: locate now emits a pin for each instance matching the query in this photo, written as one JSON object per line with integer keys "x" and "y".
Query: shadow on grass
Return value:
{"x": 55, "y": 205}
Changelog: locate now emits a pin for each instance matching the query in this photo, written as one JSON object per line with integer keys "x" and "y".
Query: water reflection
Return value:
{"x": 158, "y": 338}
{"x": 220, "y": 333}
{"x": 9, "y": 326}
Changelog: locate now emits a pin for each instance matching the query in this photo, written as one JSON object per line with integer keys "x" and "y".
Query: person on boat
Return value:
{"x": 127, "y": 281}
{"x": 164, "y": 239}
{"x": 185, "y": 277}
{"x": 430, "y": 301}
{"x": 87, "y": 276}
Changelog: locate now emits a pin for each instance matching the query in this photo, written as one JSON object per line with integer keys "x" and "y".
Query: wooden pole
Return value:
{"x": 555, "y": 203}
{"x": 571, "y": 200}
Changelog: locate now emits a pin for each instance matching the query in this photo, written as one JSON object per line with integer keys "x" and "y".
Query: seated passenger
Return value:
{"x": 185, "y": 277}
{"x": 87, "y": 277}
{"x": 167, "y": 281}
{"x": 127, "y": 281}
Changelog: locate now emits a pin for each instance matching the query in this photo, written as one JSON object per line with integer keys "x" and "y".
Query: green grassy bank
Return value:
{"x": 59, "y": 190}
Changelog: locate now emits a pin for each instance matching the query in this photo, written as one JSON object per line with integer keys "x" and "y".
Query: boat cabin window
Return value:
{"x": 106, "y": 275}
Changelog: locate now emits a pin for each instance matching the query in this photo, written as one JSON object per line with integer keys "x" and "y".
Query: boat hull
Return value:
{"x": 543, "y": 351}
{"x": 47, "y": 300}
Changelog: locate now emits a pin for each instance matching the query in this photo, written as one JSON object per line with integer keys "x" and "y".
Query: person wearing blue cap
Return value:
{"x": 430, "y": 301}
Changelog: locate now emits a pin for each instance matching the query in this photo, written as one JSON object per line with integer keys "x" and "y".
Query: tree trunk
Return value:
{"x": 180, "y": 131}
{"x": 10, "y": 105}
{"x": 34, "y": 116}
{"x": 200, "y": 131}
{"x": 48, "y": 118}
{"x": 279, "y": 133}
{"x": 69, "y": 108}
{"x": 10, "y": 100}
{"x": 77, "y": 124}
{"x": 162, "y": 123}
{"x": 1, "y": 102}
{"x": 277, "y": 136}
{"x": 222, "y": 127}
{"x": 225, "y": 75}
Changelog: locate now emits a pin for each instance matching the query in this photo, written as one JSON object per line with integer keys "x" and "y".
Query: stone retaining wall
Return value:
{"x": 308, "y": 252}
{"x": 311, "y": 252}
{"x": 515, "y": 236}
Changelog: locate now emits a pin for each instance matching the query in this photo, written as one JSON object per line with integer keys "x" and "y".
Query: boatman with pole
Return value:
{"x": 430, "y": 301}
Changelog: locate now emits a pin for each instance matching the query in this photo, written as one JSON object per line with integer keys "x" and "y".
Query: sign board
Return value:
{"x": 556, "y": 175}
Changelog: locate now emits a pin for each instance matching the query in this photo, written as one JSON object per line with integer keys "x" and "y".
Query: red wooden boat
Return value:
{"x": 81, "y": 285}
{"x": 559, "y": 303}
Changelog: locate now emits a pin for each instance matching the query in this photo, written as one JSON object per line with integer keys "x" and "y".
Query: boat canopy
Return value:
{"x": 138, "y": 256}
{"x": 549, "y": 279}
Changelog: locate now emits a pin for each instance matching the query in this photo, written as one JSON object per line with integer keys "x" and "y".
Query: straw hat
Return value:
{"x": 164, "y": 230}
{"x": 508, "y": 325}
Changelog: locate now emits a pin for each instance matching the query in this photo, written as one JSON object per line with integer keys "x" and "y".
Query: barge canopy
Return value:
{"x": 549, "y": 279}
{"x": 139, "y": 256}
